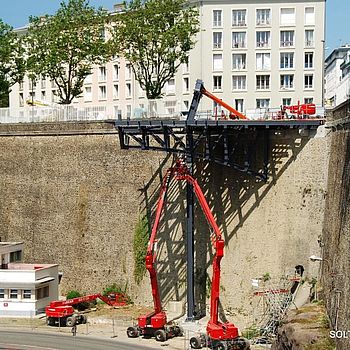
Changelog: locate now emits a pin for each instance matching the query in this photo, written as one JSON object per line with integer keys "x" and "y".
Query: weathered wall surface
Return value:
{"x": 75, "y": 201}
{"x": 336, "y": 234}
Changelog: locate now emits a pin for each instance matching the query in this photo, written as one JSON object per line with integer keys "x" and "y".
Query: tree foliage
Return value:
{"x": 155, "y": 36}
{"x": 11, "y": 61}
{"x": 66, "y": 45}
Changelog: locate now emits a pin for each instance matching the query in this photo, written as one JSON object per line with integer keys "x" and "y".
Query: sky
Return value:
{"x": 17, "y": 12}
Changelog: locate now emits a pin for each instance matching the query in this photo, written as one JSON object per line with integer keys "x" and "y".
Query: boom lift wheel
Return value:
{"x": 70, "y": 322}
{"x": 83, "y": 319}
{"x": 132, "y": 332}
{"x": 196, "y": 343}
{"x": 160, "y": 335}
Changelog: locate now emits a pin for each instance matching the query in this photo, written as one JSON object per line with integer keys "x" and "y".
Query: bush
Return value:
{"x": 80, "y": 306}
{"x": 114, "y": 288}
{"x": 141, "y": 238}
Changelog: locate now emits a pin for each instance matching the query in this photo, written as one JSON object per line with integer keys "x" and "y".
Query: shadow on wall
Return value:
{"x": 232, "y": 195}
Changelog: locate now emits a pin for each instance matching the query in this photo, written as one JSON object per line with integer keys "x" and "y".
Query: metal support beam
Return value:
{"x": 190, "y": 229}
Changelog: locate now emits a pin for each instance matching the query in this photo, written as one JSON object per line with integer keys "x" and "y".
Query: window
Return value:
{"x": 239, "y": 82}
{"x": 87, "y": 93}
{"x": 116, "y": 91}
{"x": 217, "y": 82}
{"x": 217, "y": 18}
{"x": 45, "y": 292}
{"x": 128, "y": 111}
{"x": 128, "y": 71}
{"x": 88, "y": 80}
{"x": 308, "y": 81}
{"x": 287, "y": 81}
{"x": 32, "y": 84}
{"x": 21, "y": 99}
{"x": 170, "y": 86}
{"x": 238, "y": 40}
{"x": 117, "y": 113}
{"x": 287, "y": 60}
{"x": 309, "y": 38}
{"x": 43, "y": 82}
{"x": 239, "y": 104}
{"x": 102, "y": 92}
{"x": 287, "y": 38}
{"x": 238, "y": 61}
{"x": 309, "y": 60}
{"x": 308, "y": 100}
{"x": 13, "y": 293}
{"x": 27, "y": 294}
{"x": 217, "y": 40}
{"x": 128, "y": 90}
{"x": 16, "y": 256}
{"x": 43, "y": 95}
{"x": 115, "y": 72}
{"x": 217, "y": 62}
{"x": 263, "y": 61}
{"x": 287, "y": 16}
{"x": 54, "y": 96}
{"x": 186, "y": 84}
{"x": 185, "y": 67}
{"x": 262, "y": 82}
{"x": 262, "y": 39}
{"x": 41, "y": 293}
{"x": 309, "y": 15}
{"x": 2, "y": 293}
{"x": 102, "y": 73}
{"x": 186, "y": 105}
{"x": 21, "y": 85}
{"x": 238, "y": 18}
{"x": 263, "y": 17}
{"x": 262, "y": 103}
{"x": 286, "y": 101}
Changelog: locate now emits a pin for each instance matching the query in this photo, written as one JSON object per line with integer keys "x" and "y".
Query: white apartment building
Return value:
{"x": 337, "y": 77}
{"x": 252, "y": 54}
{"x": 25, "y": 289}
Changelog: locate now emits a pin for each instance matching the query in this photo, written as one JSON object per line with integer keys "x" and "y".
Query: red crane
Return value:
{"x": 219, "y": 335}
{"x": 62, "y": 312}
{"x": 155, "y": 323}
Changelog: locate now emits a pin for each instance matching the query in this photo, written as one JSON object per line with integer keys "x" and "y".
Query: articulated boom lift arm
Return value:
{"x": 157, "y": 318}
{"x": 199, "y": 91}
{"x": 215, "y": 328}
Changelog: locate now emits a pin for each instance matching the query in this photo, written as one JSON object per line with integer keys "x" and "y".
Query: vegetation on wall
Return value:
{"x": 75, "y": 294}
{"x": 141, "y": 238}
{"x": 115, "y": 288}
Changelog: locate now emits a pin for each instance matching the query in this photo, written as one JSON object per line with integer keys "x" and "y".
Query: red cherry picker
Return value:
{"x": 219, "y": 335}
{"x": 155, "y": 323}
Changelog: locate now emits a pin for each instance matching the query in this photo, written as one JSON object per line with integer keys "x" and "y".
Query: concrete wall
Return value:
{"x": 336, "y": 233}
{"x": 75, "y": 200}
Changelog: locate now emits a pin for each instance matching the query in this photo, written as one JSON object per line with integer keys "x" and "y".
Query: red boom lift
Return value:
{"x": 62, "y": 312}
{"x": 219, "y": 335}
{"x": 155, "y": 323}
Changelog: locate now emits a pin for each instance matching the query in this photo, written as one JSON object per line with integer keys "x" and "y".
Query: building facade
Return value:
{"x": 252, "y": 54}
{"x": 25, "y": 289}
{"x": 337, "y": 77}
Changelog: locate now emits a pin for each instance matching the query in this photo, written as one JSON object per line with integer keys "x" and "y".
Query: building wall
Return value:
{"x": 76, "y": 201}
{"x": 200, "y": 66}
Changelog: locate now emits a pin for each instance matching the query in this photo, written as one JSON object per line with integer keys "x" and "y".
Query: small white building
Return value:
{"x": 25, "y": 289}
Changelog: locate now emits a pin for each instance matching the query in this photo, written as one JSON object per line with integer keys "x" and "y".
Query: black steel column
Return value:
{"x": 189, "y": 229}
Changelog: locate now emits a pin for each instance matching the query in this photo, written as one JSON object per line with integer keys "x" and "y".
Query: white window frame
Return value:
{"x": 309, "y": 18}
{"x": 217, "y": 40}
{"x": 102, "y": 73}
{"x": 239, "y": 82}
{"x": 217, "y": 20}
{"x": 263, "y": 17}
{"x": 116, "y": 72}
{"x": 13, "y": 294}
{"x": 102, "y": 92}
{"x": 287, "y": 19}
{"x": 186, "y": 85}
{"x": 309, "y": 60}
{"x": 26, "y": 294}
{"x": 239, "y": 18}
{"x": 239, "y": 61}
{"x": 287, "y": 60}
{"x": 308, "y": 85}
{"x": 128, "y": 90}
{"x": 239, "y": 105}
{"x": 263, "y": 39}
{"x": 88, "y": 95}
{"x": 263, "y": 61}
{"x": 263, "y": 103}
{"x": 287, "y": 38}
{"x": 218, "y": 62}
{"x": 263, "y": 82}
{"x": 309, "y": 39}
{"x": 308, "y": 100}
{"x": 217, "y": 82}
{"x": 2, "y": 293}
{"x": 286, "y": 101}
{"x": 239, "y": 40}
{"x": 288, "y": 81}
{"x": 115, "y": 91}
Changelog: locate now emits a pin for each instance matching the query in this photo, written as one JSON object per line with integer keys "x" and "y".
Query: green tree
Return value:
{"x": 66, "y": 45}
{"x": 155, "y": 36}
{"x": 11, "y": 61}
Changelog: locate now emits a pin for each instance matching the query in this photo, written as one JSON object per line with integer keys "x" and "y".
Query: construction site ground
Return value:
{"x": 108, "y": 323}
